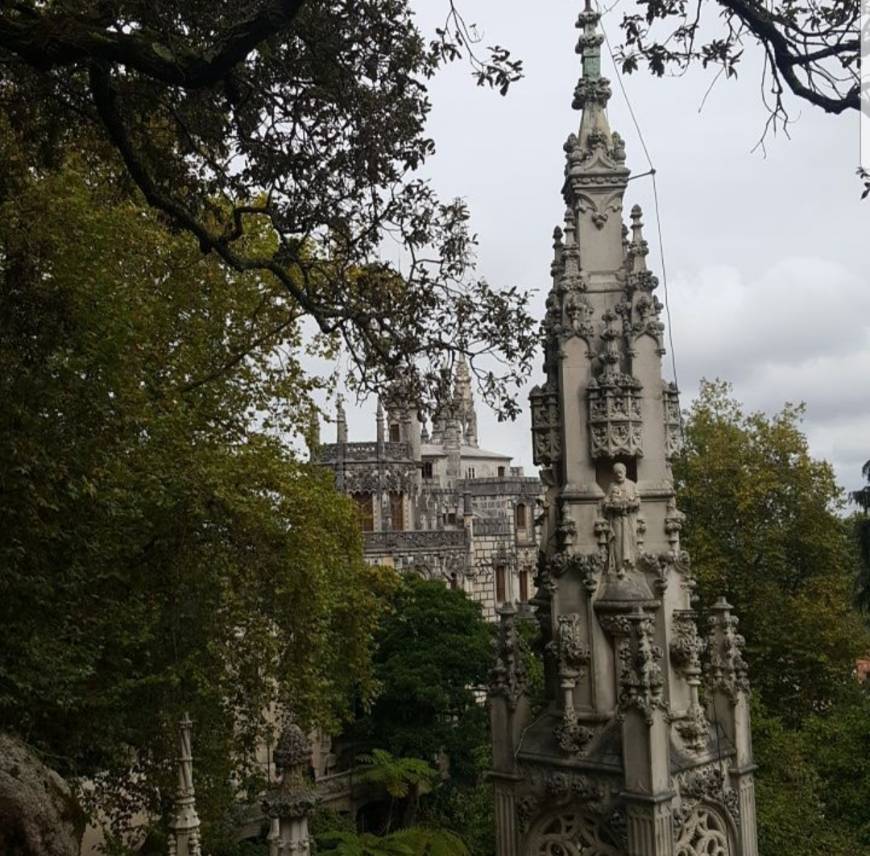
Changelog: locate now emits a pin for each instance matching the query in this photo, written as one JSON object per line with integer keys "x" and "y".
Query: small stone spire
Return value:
{"x": 340, "y": 420}
{"x": 464, "y": 403}
{"x": 638, "y": 249}
{"x": 379, "y": 420}
{"x": 184, "y": 828}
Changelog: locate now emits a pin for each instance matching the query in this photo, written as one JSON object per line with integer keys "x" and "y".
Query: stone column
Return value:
{"x": 506, "y": 843}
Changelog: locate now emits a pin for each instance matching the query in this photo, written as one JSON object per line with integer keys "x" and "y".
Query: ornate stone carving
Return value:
{"x": 562, "y": 787}
{"x": 527, "y": 809}
{"x": 640, "y": 681}
{"x": 566, "y": 531}
{"x": 726, "y": 669}
{"x": 572, "y": 654}
{"x": 588, "y": 566}
{"x": 571, "y": 648}
{"x": 578, "y": 315}
{"x": 571, "y": 833}
{"x": 703, "y": 834}
{"x": 546, "y": 426}
{"x": 706, "y": 783}
{"x": 508, "y": 677}
{"x": 686, "y": 645}
{"x": 673, "y": 421}
{"x": 621, "y": 506}
{"x": 366, "y": 478}
{"x": 572, "y": 736}
{"x": 615, "y": 422}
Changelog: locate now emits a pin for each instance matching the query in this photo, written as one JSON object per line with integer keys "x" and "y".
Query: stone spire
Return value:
{"x": 463, "y": 399}
{"x": 625, "y": 759}
{"x": 340, "y": 421}
{"x": 184, "y": 828}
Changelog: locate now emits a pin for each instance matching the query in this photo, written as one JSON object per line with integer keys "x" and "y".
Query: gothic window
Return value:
{"x": 520, "y": 515}
{"x": 427, "y": 470}
{"x": 703, "y": 834}
{"x": 572, "y": 834}
{"x": 469, "y": 473}
{"x": 366, "y": 511}
{"x": 500, "y": 589}
{"x": 453, "y": 581}
{"x": 524, "y": 586}
{"x": 397, "y": 510}
{"x": 395, "y": 436}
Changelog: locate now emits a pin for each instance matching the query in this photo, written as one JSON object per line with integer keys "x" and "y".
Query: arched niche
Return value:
{"x": 569, "y": 831}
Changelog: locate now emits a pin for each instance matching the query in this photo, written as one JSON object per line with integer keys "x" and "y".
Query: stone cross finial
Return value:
{"x": 184, "y": 828}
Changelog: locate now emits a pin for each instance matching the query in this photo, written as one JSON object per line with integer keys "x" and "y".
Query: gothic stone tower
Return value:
{"x": 639, "y": 751}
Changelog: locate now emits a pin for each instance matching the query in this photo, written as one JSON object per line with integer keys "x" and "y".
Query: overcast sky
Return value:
{"x": 766, "y": 256}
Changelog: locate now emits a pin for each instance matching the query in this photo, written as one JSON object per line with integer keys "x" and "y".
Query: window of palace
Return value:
{"x": 397, "y": 510}
{"x": 500, "y": 587}
{"x": 366, "y": 511}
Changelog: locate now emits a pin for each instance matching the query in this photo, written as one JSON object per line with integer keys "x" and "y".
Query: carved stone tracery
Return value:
{"x": 571, "y": 833}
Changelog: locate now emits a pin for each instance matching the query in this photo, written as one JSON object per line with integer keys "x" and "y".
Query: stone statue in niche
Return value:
{"x": 621, "y": 507}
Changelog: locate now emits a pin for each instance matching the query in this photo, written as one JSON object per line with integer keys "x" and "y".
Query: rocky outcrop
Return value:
{"x": 38, "y": 814}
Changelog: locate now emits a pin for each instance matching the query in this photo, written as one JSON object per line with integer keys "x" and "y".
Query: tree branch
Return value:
{"x": 48, "y": 41}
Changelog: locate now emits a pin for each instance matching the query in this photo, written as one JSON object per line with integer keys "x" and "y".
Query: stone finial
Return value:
{"x": 726, "y": 669}
{"x": 184, "y": 829}
{"x": 292, "y": 750}
{"x": 508, "y": 679}
{"x": 289, "y": 803}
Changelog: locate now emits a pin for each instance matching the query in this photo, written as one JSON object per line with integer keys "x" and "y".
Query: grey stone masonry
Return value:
{"x": 435, "y": 502}
{"x": 625, "y": 759}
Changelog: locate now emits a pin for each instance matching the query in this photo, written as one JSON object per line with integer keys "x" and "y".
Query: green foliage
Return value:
{"x": 467, "y": 807}
{"x": 398, "y": 776}
{"x": 763, "y": 528}
{"x": 792, "y": 816}
{"x": 415, "y": 841}
{"x": 161, "y": 549}
{"x": 402, "y": 778}
{"x": 432, "y": 650}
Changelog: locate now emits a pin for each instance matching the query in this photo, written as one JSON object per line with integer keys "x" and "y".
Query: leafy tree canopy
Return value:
{"x": 432, "y": 650}
{"x": 300, "y": 120}
{"x": 763, "y": 528}
{"x": 161, "y": 550}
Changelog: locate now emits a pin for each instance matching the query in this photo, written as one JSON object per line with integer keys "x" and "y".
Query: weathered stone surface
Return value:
{"x": 38, "y": 814}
